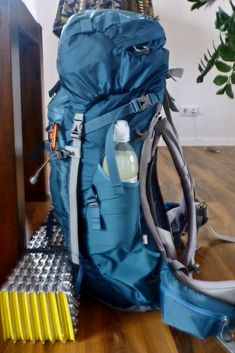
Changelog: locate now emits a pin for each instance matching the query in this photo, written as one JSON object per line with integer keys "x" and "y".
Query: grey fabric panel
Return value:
{"x": 167, "y": 241}
{"x": 75, "y": 153}
{"x": 222, "y": 290}
{"x": 73, "y": 210}
{"x": 174, "y": 213}
{"x": 177, "y": 217}
{"x": 167, "y": 109}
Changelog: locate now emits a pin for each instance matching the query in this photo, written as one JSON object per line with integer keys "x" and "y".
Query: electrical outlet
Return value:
{"x": 189, "y": 110}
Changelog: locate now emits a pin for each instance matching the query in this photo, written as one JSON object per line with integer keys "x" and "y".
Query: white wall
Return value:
{"x": 31, "y": 6}
{"x": 189, "y": 34}
{"x": 46, "y": 12}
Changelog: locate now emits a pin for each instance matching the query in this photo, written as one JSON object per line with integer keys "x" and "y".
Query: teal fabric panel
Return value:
{"x": 111, "y": 275}
{"x": 112, "y": 278}
{"x": 95, "y": 66}
{"x": 191, "y": 311}
{"x": 59, "y": 111}
{"x": 59, "y": 194}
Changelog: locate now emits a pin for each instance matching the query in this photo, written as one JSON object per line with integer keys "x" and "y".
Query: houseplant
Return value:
{"x": 222, "y": 57}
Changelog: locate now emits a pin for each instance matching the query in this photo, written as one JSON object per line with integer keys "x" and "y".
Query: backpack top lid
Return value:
{"x": 110, "y": 52}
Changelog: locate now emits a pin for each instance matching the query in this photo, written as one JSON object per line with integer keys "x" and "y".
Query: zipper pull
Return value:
{"x": 33, "y": 179}
{"x": 226, "y": 334}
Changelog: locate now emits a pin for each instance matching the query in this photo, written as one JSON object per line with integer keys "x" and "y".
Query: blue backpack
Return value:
{"x": 123, "y": 237}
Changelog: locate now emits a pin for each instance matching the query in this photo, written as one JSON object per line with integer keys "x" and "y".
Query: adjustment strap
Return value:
{"x": 135, "y": 106}
{"x": 94, "y": 210}
{"x": 218, "y": 236}
{"x": 74, "y": 151}
{"x": 168, "y": 105}
{"x": 227, "y": 343}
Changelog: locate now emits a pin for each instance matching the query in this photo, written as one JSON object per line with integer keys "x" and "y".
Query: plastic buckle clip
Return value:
{"x": 142, "y": 103}
{"x": 73, "y": 151}
{"x": 194, "y": 268}
{"x": 76, "y": 133}
{"x": 93, "y": 205}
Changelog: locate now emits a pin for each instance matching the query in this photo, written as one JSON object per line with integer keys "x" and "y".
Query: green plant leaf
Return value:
{"x": 232, "y": 5}
{"x": 222, "y": 20}
{"x": 233, "y": 78}
{"x": 221, "y": 66}
{"x": 200, "y": 68}
{"x": 220, "y": 80}
{"x": 231, "y": 40}
{"x": 222, "y": 90}
{"x": 227, "y": 54}
{"x": 223, "y": 55}
{"x": 198, "y": 4}
{"x": 229, "y": 91}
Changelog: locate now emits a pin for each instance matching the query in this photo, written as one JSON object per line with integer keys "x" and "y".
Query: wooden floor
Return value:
{"x": 103, "y": 330}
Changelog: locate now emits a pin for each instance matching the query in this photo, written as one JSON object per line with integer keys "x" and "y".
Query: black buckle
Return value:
{"x": 54, "y": 89}
{"x": 194, "y": 268}
{"x": 201, "y": 213}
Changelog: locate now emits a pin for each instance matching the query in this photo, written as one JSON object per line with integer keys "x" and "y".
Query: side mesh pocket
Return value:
{"x": 119, "y": 217}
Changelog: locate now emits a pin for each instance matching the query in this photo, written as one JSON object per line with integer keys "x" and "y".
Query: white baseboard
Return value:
{"x": 217, "y": 141}
{"x": 205, "y": 142}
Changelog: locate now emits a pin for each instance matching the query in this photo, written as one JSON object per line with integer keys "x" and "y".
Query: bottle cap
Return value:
{"x": 121, "y": 131}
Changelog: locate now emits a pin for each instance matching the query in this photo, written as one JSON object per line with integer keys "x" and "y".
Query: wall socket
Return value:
{"x": 189, "y": 110}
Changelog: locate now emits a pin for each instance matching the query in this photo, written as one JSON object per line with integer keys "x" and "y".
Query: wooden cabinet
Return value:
{"x": 21, "y": 125}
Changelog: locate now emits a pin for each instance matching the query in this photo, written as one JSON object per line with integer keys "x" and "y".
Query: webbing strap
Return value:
{"x": 135, "y": 106}
{"x": 218, "y": 236}
{"x": 228, "y": 346}
{"x": 168, "y": 105}
{"x": 143, "y": 170}
{"x": 75, "y": 153}
{"x": 222, "y": 290}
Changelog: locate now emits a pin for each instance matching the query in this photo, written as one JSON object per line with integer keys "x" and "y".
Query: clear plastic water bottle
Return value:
{"x": 126, "y": 158}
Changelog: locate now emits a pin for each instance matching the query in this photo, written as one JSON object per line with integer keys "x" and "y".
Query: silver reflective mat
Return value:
{"x": 38, "y": 301}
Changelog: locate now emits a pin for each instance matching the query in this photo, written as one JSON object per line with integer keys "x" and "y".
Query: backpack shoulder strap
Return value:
{"x": 222, "y": 290}
{"x": 162, "y": 128}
